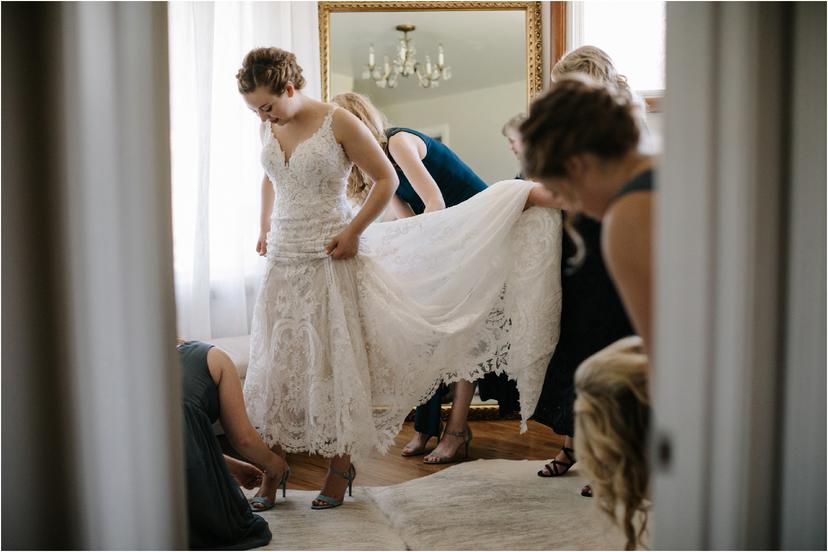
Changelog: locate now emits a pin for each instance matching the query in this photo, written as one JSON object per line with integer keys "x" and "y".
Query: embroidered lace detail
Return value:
{"x": 341, "y": 350}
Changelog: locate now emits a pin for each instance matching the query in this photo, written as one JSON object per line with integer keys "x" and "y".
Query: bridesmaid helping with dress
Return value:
{"x": 350, "y": 330}
{"x": 582, "y": 141}
{"x": 432, "y": 177}
{"x": 218, "y": 514}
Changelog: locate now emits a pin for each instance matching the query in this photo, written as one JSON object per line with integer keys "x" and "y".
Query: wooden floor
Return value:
{"x": 492, "y": 439}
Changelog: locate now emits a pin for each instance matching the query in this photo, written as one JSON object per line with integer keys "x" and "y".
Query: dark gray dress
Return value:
{"x": 219, "y": 516}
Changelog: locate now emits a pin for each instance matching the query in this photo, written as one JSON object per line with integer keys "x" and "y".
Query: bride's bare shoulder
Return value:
{"x": 345, "y": 124}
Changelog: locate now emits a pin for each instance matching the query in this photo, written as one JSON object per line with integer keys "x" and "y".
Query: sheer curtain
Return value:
{"x": 215, "y": 153}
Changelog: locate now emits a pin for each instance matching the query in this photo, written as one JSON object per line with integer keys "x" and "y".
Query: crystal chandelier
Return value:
{"x": 405, "y": 64}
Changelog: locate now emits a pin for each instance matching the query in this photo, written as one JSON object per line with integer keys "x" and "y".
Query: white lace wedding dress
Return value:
{"x": 341, "y": 350}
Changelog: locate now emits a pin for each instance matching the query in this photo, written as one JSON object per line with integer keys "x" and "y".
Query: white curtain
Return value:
{"x": 215, "y": 153}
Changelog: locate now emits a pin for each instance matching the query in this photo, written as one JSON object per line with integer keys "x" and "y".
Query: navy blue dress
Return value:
{"x": 457, "y": 182}
{"x": 219, "y": 516}
{"x": 592, "y": 317}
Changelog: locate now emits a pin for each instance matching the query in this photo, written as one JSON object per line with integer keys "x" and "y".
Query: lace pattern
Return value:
{"x": 341, "y": 350}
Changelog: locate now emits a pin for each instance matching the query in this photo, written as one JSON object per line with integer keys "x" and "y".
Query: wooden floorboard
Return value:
{"x": 492, "y": 439}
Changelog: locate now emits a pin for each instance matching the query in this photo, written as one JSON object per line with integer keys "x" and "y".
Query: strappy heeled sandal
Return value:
{"x": 552, "y": 466}
{"x": 330, "y": 502}
{"x": 466, "y": 434}
{"x": 419, "y": 451}
{"x": 262, "y": 503}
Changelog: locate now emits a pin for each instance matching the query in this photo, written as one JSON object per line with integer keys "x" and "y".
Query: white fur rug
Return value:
{"x": 479, "y": 505}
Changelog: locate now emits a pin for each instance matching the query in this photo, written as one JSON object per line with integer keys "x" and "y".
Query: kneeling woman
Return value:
{"x": 219, "y": 515}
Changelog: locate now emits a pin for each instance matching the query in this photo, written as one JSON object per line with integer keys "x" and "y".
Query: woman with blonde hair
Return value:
{"x": 592, "y": 315}
{"x": 612, "y": 420}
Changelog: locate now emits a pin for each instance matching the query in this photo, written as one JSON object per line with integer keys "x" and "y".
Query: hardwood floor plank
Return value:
{"x": 492, "y": 439}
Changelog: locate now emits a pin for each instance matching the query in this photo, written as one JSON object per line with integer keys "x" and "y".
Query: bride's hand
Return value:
{"x": 261, "y": 244}
{"x": 344, "y": 245}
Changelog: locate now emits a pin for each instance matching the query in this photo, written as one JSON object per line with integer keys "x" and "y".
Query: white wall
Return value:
{"x": 341, "y": 83}
{"x": 474, "y": 120}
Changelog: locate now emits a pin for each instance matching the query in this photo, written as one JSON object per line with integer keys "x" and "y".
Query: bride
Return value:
{"x": 351, "y": 329}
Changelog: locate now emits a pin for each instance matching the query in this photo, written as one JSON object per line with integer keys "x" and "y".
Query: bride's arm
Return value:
{"x": 362, "y": 148}
{"x": 268, "y": 197}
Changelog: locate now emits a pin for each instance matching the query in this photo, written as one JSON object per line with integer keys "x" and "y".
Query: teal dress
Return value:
{"x": 218, "y": 513}
{"x": 457, "y": 182}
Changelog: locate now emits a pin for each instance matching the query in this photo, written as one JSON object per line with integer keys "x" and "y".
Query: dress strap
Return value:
{"x": 329, "y": 117}
{"x": 264, "y": 131}
{"x": 643, "y": 182}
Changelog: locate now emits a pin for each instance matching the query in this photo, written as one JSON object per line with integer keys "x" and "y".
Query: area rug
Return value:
{"x": 480, "y": 505}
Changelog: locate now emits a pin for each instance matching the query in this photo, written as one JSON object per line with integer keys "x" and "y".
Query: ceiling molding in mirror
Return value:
{"x": 532, "y": 18}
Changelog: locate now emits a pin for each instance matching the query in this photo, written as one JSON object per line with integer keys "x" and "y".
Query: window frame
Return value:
{"x": 562, "y": 16}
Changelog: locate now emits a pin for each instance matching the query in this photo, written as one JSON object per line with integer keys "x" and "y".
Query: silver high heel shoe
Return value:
{"x": 467, "y": 435}
{"x": 262, "y": 503}
{"x": 330, "y": 502}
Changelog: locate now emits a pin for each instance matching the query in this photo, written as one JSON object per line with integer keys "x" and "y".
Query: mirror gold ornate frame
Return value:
{"x": 532, "y": 10}
{"x": 534, "y": 84}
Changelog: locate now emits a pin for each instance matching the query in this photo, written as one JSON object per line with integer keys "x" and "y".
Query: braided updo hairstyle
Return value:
{"x": 577, "y": 116}
{"x": 271, "y": 67}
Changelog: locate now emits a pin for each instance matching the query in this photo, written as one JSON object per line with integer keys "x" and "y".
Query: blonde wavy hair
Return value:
{"x": 359, "y": 183}
{"x": 592, "y": 61}
{"x": 612, "y": 420}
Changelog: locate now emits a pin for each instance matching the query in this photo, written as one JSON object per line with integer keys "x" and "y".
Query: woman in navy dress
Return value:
{"x": 592, "y": 315}
{"x": 220, "y": 518}
{"x": 432, "y": 177}
{"x": 582, "y": 141}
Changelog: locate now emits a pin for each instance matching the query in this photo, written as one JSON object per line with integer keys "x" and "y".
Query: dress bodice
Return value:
{"x": 311, "y": 205}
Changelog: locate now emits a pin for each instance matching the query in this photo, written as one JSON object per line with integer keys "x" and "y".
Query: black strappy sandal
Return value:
{"x": 552, "y": 466}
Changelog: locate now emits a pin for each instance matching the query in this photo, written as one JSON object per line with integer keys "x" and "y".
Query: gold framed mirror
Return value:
{"x": 491, "y": 53}
{"x": 472, "y": 66}
{"x": 530, "y": 12}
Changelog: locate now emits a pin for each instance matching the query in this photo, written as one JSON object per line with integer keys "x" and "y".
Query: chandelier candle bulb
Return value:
{"x": 404, "y": 63}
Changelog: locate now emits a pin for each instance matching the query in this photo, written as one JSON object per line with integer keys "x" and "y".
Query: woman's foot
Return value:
{"x": 335, "y": 485}
{"x": 560, "y": 464}
{"x": 417, "y": 445}
{"x": 453, "y": 446}
{"x": 273, "y": 478}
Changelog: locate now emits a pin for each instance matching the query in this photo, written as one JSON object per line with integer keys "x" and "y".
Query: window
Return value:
{"x": 632, "y": 33}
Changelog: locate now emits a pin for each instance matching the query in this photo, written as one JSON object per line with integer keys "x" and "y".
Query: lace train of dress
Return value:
{"x": 341, "y": 350}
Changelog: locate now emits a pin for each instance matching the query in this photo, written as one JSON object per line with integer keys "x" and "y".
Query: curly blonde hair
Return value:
{"x": 359, "y": 183}
{"x": 592, "y": 61}
{"x": 271, "y": 67}
{"x": 612, "y": 421}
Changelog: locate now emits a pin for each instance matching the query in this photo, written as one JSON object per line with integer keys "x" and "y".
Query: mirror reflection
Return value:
{"x": 439, "y": 73}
